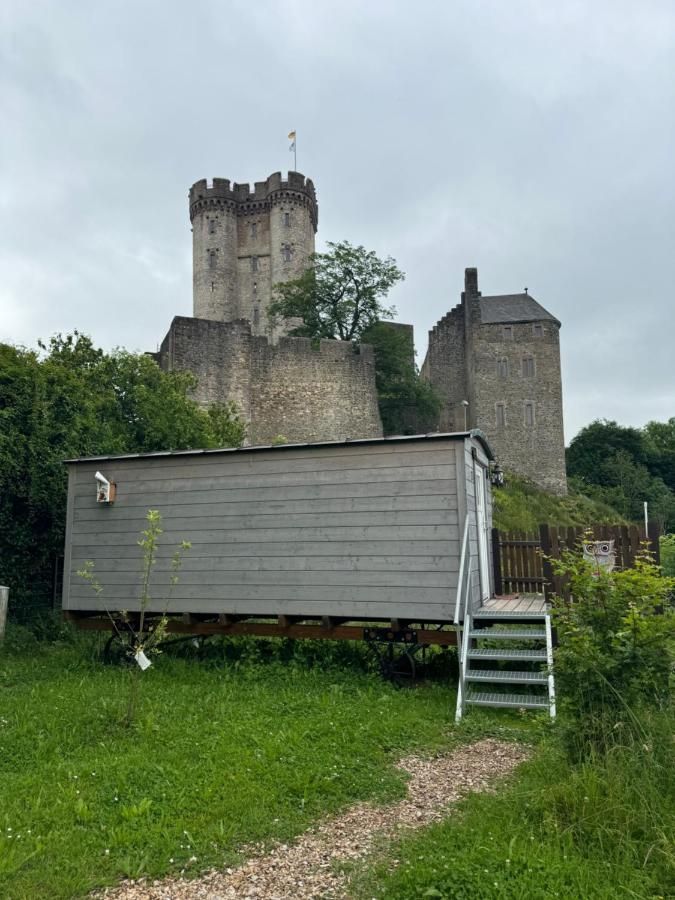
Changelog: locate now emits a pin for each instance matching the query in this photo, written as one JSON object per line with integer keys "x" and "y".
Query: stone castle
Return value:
{"x": 244, "y": 242}
{"x": 495, "y": 360}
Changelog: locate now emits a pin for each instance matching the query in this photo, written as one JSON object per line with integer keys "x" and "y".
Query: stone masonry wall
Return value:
{"x": 501, "y": 376}
{"x": 444, "y": 367}
{"x": 290, "y": 388}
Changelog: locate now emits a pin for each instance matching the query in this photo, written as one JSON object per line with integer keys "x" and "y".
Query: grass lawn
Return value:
{"x": 600, "y": 830}
{"x": 223, "y": 752}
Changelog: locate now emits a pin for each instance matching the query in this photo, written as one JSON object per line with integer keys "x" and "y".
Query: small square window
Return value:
{"x": 254, "y": 264}
{"x": 528, "y": 367}
{"x": 529, "y": 413}
{"x": 503, "y": 368}
{"x": 212, "y": 226}
{"x": 507, "y": 332}
{"x": 538, "y": 331}
{"x": 500, "y": 414}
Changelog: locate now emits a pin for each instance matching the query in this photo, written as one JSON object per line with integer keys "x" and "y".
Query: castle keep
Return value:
{"x": 501, "y": 356}
{"x": 244, "y": 242}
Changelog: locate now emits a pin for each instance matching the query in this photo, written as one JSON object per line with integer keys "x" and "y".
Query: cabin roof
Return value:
{"x": 474, "y": 433}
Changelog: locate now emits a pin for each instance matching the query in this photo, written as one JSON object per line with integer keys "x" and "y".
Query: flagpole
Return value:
{"x": 295, "y": 152}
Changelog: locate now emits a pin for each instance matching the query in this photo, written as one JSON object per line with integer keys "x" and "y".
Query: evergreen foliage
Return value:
{"x": 72, "y": 399}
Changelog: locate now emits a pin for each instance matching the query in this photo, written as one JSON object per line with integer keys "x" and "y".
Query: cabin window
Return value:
{"x": 538, "y": 331}
{"x": 254, "y": 229}
{"x": 212, "y": 226}
{"x": 212, "y": 259}
{"x": 529, "y": 413}
{"x": 286, "y": 252}
{"x": 254, "y": 264}
{"x": 528, "y": 367}
{"x": 500, "y": 414}
{"x": 507, "y": 332}
{"x": 503, "y": 368}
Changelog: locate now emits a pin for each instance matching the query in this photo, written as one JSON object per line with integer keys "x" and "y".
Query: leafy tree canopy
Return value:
{"x": 72, "y": 399}
{"x": 408, "y": 404}
{"x": 626, "y": 466}
{"x": 339, "y": 296}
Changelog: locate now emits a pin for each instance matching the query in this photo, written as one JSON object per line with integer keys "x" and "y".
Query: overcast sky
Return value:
{"x": 534, "y": 140}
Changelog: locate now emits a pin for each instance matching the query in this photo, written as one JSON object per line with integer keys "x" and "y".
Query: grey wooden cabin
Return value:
{"x": 362, "y": 530}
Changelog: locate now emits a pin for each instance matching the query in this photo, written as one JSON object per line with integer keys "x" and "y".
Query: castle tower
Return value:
{"x": 246, "y": 241}
{"x": 496, "y": 360}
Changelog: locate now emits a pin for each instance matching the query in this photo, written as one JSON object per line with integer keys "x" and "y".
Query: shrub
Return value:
{"x": 615, "y": 652}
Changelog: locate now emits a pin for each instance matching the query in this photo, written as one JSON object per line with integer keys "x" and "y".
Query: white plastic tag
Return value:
{"x": 142, "y": 660}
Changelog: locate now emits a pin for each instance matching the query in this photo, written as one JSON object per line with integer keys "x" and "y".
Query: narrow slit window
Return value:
{"x": 503, "y": 368}
{"x": 212, "y": 226}
{"x": 212, "y": 259}
{"x": 254, "y": 229}
{"x": 254, "y": 264}
{"x": 286, "y": 252}
{"x": 529, "y": 413}
{"x": 287, "y": 219}
{"x": 528, "y": 367}
{"x": 256, "y": 316}
{"x": 501, "y": 415}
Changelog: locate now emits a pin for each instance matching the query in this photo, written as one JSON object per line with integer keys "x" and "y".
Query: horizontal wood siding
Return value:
{"x": 354, "y": 531}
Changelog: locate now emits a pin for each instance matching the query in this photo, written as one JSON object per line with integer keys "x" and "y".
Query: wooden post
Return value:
{"x": 497, "y": 562}
{"x": 545, "y": 543}
{"x": 4, "y": 603}
{"x": 654, "y": 533}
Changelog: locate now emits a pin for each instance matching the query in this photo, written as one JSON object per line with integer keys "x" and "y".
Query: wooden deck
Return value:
{"x": 516, "y": 603}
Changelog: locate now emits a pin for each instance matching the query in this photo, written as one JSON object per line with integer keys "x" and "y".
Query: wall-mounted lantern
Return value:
{"x": 497, "y": 476}
{"x": 105, "y": 490}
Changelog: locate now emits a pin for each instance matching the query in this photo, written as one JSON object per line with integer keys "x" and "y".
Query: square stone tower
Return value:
{"x": 496, "y": 363}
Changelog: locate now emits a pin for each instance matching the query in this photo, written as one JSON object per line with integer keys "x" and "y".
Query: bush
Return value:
{"x": 668, "y": 554}
{"x": 615, "y": 653}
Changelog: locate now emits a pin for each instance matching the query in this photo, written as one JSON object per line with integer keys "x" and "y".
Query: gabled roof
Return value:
{"x": 513, "y": 308}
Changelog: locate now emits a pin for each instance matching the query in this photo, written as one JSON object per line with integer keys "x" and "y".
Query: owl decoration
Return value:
{"x": 601, "y": 554}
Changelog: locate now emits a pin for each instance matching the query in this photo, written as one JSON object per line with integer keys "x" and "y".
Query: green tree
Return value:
{"x": 339, "y": 296}
{"x": 588, "y": 452}
{"x": 72, "y": 399}
{"x": 408, "y": 404}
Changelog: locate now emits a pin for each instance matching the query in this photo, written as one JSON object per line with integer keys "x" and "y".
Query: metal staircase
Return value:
{"x": 493, "y": 674}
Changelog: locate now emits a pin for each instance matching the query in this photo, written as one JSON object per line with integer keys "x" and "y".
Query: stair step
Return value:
{"x": 500, "y": 615}
{"x": 506, "y": 677}
{"x": 513, "y": 701}
{"x": 506, "y": 634}
{"x": 486, "y": 653}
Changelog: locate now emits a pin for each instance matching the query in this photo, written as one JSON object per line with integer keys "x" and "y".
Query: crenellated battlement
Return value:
{"x": 241, "y": 198}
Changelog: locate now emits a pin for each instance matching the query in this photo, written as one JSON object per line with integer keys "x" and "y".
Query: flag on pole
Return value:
{"x": 291, "y": 138}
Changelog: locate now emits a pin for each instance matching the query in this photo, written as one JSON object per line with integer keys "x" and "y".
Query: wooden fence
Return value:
{"x": 520, "y": 558}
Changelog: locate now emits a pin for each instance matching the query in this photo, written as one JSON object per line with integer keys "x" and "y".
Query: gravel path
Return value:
{"x": 305, "y": 870}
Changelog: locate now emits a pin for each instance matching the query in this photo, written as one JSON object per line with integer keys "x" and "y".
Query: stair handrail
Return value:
{"x": 462, "y": 564}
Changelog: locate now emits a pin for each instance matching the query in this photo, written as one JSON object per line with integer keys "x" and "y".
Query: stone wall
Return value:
{"x": 501, "y": 376}
{"x": 445, "y": 367}
{"x": 292, "y": 388}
